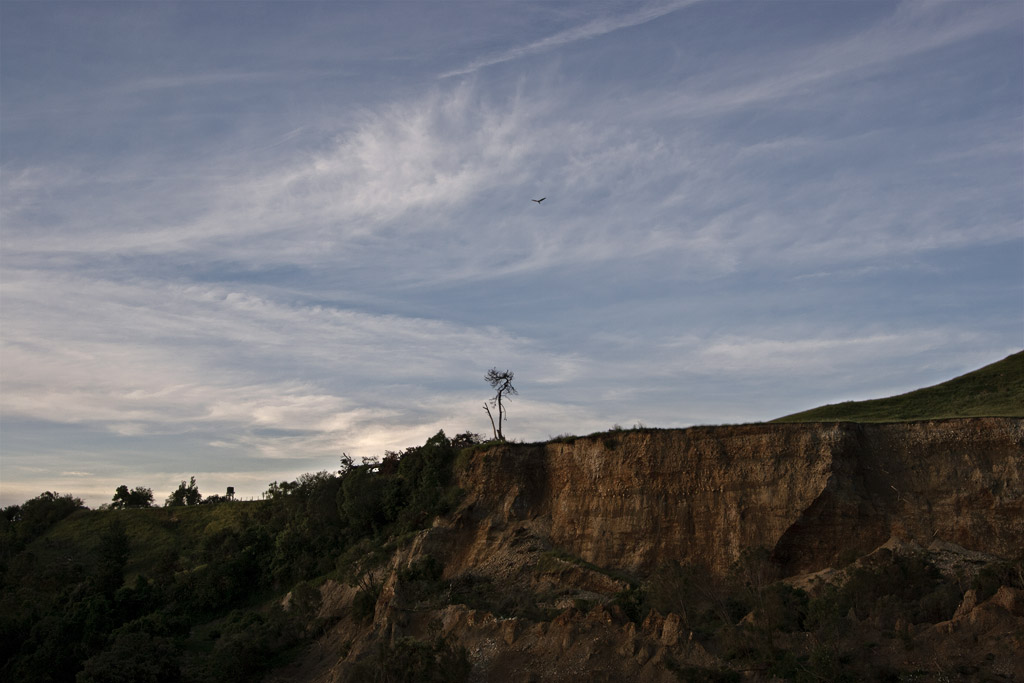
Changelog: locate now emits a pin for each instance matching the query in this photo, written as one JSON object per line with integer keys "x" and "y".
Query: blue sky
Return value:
{"x": 240, "y": 238}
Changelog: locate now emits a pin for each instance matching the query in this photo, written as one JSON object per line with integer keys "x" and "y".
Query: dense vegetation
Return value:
{"x": 996, "y": 390}
{"x": 192, "y": 593}
{"x": 855, "y": 628}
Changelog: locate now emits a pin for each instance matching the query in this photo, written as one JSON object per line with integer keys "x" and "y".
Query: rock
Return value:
{"x": 670, "y": 632}
{"x": 1010, "y": 599}
{"x": 508, "y": 630}
{"x": 969, "y": 602}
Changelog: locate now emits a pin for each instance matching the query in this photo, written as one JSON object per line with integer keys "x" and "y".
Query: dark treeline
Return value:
{"x": 206, "y": 607}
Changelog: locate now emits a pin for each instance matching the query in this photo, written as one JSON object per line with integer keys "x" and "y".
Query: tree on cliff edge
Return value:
{"x": 501, "y": 382}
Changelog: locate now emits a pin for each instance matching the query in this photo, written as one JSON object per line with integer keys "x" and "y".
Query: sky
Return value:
{"x": 239, "y": 239}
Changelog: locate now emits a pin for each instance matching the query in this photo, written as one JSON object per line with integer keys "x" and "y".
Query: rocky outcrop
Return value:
{"x": 808, "y": 492}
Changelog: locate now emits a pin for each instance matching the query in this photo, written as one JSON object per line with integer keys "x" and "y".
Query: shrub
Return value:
{"x": 364, "y": 604}
{"x": 408, "y": 660}
{"x": 135, "y": 657}
{"x": 1003, "y": 573}
{"x": 633, "y": 603}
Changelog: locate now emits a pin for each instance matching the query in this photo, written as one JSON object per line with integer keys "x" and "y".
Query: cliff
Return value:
{"x": 541, "y": 570}
{"x": 633, "y": 500}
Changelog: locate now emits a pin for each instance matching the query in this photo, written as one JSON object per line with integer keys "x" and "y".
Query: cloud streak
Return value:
{"x": 586, "y": 31}
{"x": 814, "y": 71}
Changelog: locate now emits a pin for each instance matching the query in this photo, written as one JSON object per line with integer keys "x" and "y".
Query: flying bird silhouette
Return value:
{"x": 538, "y": 200}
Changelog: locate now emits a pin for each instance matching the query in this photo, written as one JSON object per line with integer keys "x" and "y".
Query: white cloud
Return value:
{"x": 807, "y": 355}
{"x": 148, "y": 358}
{"x": 452, "y": 170}
{"x": 428, "y": 157}
{"x": 808, "y": 72}
{"x": 586, "y": 31}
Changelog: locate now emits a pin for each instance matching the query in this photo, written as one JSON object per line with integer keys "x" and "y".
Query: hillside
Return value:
{"x": 833, "y": 550}
{"x": 996, "y": 390}
{"x": 155, "y": 533}
{"x": 764, "y": 552}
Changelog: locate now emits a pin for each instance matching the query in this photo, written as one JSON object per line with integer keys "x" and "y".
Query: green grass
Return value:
{"x": 996, "y": 390}
{"x": 154, "y": 533}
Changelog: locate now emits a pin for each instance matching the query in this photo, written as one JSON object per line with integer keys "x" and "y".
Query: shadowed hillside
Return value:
{"x": 760, "y": 552}
{"x": 996, "y": 390}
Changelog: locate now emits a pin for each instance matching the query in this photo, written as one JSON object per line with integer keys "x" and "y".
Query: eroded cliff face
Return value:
{"x": 549, "y": 537}
{"x": 633, "y": 500}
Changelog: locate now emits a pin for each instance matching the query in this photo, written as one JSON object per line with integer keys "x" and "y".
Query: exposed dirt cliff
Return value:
{"x": 635, "y": 499}
{"x": 539, "y": 564}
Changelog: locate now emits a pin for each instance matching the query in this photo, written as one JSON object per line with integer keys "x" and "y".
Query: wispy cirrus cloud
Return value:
{"x": 751, "y": 208}
{"x": 585, "y": 31}
{"x": 199, "y": 80}
{"x": 817, "y": 70}
{"x": 432, "y": 154}
{"x": 389, "y": 181}
{"x": 146, "y": 358}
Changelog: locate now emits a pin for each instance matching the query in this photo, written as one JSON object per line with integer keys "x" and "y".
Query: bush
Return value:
{"x": 696, "y": 674}
{"x": 247, "y": 645}
{"x": 403, "y": 493}
{"x": 134, "y": 658}
{"x": 408, "y": 660}
{"x": 633, "y": 603}
{"x": 1003, "y": 573}
{"x": 364, "y": 604}
{"x": 906, "y": 587}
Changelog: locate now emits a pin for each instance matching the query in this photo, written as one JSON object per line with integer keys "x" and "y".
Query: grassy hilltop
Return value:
{"x": 996, "y": 390}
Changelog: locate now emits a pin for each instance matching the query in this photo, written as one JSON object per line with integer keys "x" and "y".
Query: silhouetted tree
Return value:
{"x": 501, "y": 382}
{"x": 465, "y": 440}
{"x": 19, "y": 524}
{"x": 185, "y": 494}
{"x": 138, "y": 497}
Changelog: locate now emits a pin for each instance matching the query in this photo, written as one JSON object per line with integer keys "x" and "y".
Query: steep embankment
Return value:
{"x": 553, "y": 568}
{"x": 808, "y": 492}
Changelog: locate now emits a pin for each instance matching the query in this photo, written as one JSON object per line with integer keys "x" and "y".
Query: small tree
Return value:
{"x": 501, "y": 382}
{"x": 185, "y": 494}
{"x": 138, "y": 497}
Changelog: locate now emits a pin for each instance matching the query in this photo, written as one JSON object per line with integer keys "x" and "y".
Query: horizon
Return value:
{"x": 241, "y": 239}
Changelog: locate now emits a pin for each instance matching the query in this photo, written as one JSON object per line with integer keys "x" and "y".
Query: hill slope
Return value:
{"x": 675, "y": 555}
{"x": 996, "y": 390}
{"x": 863, "y": 551}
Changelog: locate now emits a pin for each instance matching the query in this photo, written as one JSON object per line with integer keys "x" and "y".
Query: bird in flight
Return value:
{"x": 538, "y": 200}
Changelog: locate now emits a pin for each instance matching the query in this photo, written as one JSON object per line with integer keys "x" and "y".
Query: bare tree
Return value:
{"x": 501, "y": 382}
